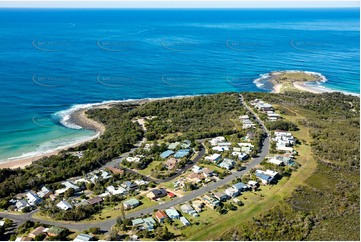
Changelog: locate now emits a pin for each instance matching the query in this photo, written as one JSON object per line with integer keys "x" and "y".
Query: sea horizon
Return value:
{"x": 70, "y": 60}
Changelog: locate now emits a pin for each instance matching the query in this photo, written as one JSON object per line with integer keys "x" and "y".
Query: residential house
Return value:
{"x": 217, "y": 140}
{"x": 186, "y": 208}
{"x": 116, "y": 191}
{"x": 221, "y": 196}
{"x": 173, "y": 146}
{"x": 227, "y": 164}
{"x": 95, "y": 200}
{"x": 137, "y": 222}
{"x": 129, "y": 186}
{"x": 207, "y": 172}
{"x": 44, "y": 192}
{"x": 214, "y": 158}
{"x": 131, "y": 203}
{"x": 196, "y": 169}
{"x": 172, "y": 213}
{"x": 68, "y": 185}
{"x": 252, "y": 184}
{"x": 55, "y": 231}
{"x": 186, "y": 144}
{"x": 210, "y": 201}
{"x": 64, "y": 205}
{"x": 166, "y": 154}
{"x": 149, "y": 223}
{"x": 140, "y": 182}
{"x": 132, "y": 159}
{"x": 161, "y": 216}
{"x": 232, "y": 192}
{"x": 84, "y": 237}
{"x": 182, "y": 153}
{"x": 157, "y": 193}
{"x": 240, "y": 186}
{"x": 39, "y": 230}
{"x": 33, "y": 199}
{"x": 267, "y": 176}
{"x": 241, "y": 156}
{"x": 197, "y": 205}
{"x": 184, "y": 221}
{"x": 21, "y": 204}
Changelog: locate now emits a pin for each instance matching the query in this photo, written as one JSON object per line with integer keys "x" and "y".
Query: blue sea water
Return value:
{"x": 52, "y": 59}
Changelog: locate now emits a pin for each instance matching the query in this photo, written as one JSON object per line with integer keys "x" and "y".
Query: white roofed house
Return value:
{"x": 196, "y": 169}
{"x": 68, "y": 185}
{"x": 214, "y": 157}
{"x": 64, "y": 205}
{"x": 33, "y": 199}
{"x": 220, "y": 148}
{"x": 44, "y": 192}
{"x": 184, "y": 221}
{"x": 116, "y": 191}
{"x": 232, "y": 192}
{"x": 20, "y": 204}
{"x": 243, "y": 117}
{"x": 217, "y": 140}
{"x": 281, "y": 160}
{"x": 227, "y": 164}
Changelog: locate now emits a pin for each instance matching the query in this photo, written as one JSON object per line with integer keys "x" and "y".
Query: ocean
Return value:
{"x": 52, "y": 60}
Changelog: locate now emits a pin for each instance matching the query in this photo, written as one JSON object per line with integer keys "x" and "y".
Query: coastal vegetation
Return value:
{"x": 294, "y": 76}
{"x": 327, "y": 205}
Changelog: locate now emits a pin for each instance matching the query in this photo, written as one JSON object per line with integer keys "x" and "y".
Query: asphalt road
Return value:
{"x": 107, "y": 224}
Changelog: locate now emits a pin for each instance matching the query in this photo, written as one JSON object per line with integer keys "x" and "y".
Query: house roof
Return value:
{"x": 55, "y": 230}
{"x": 95, "y": 200}
{"x": 220, "y": 194}
{"x": 83, "y": 237}
{"x": 166, "y": 153}
{"x": 184, "y": 220}
{"x": 160, "y": 214}
{"x": 132, "y": 202}
{"x": 263, "y": 176}
{"x": 159, "y": 192}
{"x": 171, "y": 194}
{"x": 171, "y": 212}
{"x": 186, "y": 208}
{"x": 37, "y": 231}
{"x": 239, "y": 185}
{"x": 149, "y": 220}
{"x": 137, "y": 221}
{"x": 182, "y": 153}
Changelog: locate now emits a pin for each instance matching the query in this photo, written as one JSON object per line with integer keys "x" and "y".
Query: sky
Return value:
{"x": 176, "y": 4}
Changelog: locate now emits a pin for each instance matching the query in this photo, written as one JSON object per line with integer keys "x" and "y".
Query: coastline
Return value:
{"x": 301, "y": 86}
{"x": 79, "y": 118}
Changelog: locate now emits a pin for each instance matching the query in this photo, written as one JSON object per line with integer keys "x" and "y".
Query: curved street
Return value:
{"x": 107, "y": 224}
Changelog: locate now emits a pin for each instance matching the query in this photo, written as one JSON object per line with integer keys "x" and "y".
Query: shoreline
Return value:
{"x": 78, "y": 117}
{"x": 302, "y": 86}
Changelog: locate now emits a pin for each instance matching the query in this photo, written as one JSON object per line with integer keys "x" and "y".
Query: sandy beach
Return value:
{"x": 302, "y": 86}
{"x": 80, "y": 118}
